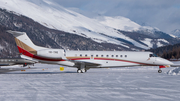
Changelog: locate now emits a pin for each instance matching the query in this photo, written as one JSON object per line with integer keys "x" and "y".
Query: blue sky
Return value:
{"x": 163, "y": 14}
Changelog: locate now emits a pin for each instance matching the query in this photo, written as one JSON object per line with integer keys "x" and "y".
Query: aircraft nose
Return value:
{"x": 162, "y": 61}
{"x": 168, "y": 62}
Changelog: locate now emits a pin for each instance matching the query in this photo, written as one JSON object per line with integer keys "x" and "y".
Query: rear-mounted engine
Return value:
{"x": 51, "y": 53}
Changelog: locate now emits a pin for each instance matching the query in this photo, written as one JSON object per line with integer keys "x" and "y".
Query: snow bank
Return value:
{"x": 175, "y": 71}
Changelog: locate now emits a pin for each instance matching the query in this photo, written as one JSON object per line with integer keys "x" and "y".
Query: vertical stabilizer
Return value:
{"x": 24, "y": 43}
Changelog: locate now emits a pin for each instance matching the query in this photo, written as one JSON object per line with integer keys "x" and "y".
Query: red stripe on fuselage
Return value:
{"x": 120, "y": 60}
{"x": 80, "y": 59}
{"x": 26, "y": 53}
{"x": 110, "y": 59}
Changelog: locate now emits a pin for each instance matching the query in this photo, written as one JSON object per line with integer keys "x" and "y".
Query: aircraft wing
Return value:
{"x": 175, "y": 65}
{"x": 6, "y": 64}
{"x": 5, "y": 70}
{"x": 87, "y": 64}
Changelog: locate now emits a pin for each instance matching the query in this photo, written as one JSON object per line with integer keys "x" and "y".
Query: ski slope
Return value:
{"x": 119, "y": 22}
{"x": 48, "y": 83}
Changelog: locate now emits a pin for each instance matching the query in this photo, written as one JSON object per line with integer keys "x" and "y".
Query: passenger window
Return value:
{"x": 55, "y": 52}
{"x": 96, "y": 55}
{"x": 101, "y": 55}
{"x": 91, "y": 56}
{"x": 112, "y": 55}
{"x": 86, "y": 55}
{"x": 116, "y": 55}
{"x": 125, "y": 55}
{"x": 121, "y": 55}
{"x": 107, "y": 55}
{"x": 80, "y": 55}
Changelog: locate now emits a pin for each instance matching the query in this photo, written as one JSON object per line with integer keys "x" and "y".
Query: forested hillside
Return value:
{"x": 168, "y": 52}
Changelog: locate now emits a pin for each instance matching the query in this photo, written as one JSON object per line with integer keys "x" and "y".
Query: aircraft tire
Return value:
{"x": 78, "y": 71}
{"x": 83, "y": 70}
{"x": 159, "y": 71}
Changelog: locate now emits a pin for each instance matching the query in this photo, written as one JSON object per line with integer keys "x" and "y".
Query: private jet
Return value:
{"x": 84, "y": 60}
{"x": 14, "y": 61}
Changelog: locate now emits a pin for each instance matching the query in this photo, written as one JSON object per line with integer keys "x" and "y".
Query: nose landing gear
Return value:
{"x": 160, "y": 71}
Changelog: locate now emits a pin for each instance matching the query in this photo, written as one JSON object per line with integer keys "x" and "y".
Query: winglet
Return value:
{"x": 15, "y": 33}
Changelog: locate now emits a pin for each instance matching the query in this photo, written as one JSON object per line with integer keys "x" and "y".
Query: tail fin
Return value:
{"x": 24, "y": 43}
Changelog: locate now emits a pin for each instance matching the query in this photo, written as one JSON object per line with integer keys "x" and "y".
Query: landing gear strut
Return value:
{"x": 160, "y": 71}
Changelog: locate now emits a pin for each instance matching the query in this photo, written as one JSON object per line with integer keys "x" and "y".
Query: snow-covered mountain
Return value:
{"x": 176, "y": 32}
{"x": 118, "y": 22}
{"x": 101, "y": 29}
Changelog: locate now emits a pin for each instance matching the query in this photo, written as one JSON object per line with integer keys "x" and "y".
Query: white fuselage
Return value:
{"x": 107, "y": 59}
{"x": 115, "y": 58}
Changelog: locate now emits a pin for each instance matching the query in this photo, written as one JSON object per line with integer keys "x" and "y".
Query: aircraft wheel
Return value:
{"x": 159, "y": 71}
{"x": 78, "y": 71}
{"x": 83, "y": 70}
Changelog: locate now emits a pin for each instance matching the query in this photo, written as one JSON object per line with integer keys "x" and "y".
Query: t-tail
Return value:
{"x": 29, "y": 50}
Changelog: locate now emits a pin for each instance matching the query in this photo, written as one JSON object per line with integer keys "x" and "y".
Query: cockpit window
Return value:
{"x": 153, "y": 55}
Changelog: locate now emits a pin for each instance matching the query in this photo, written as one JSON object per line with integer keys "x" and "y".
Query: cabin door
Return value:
{"x": 92, "y": 57}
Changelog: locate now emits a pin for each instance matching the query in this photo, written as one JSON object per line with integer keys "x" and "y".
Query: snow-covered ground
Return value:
{"x": 48, "y": 83}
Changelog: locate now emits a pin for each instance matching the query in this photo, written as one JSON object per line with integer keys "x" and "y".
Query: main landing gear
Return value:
{"x": 82, "y": 68}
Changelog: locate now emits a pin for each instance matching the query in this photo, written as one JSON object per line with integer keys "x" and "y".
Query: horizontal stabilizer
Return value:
{"x": 16, "y": 33}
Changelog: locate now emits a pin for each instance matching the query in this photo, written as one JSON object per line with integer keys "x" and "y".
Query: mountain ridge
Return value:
{"x": 43, "y": 36}
{"x": 70, "y": 30}
{"x": 55, "y": 16}
{"x": 176, "y": 33}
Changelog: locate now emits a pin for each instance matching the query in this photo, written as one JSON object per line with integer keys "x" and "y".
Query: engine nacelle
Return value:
{"x": 51, "y": 53}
